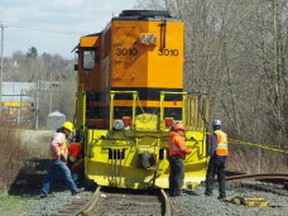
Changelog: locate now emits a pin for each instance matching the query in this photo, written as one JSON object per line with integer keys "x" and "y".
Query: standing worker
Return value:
{"x": 59, "y": 153}
{"x": 218, "y": 153}
{"x": 177, "y": 154}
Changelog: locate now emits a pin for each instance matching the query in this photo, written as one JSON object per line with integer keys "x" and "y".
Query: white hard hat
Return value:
{"x": 176, "y": 122}
{"x": 216, "y": 122}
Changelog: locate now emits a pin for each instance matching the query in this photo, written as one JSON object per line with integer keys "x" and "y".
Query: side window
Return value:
{"x": 89, "y": 59}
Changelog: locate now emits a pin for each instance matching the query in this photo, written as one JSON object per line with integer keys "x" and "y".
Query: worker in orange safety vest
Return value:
{"x": 177, "y": 154}
{"x": 75, "y": 160}
{"x": 75, "y": 152}
{"x": 218, "y": 153}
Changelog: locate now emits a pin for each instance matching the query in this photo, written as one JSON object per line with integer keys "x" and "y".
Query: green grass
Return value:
{"x": 10, "y": 205}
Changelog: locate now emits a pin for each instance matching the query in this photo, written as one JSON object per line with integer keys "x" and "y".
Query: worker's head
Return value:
{"x": 68, "y": 126}
{"x": 216, "y": 124}
{"x": 178, "y": 126}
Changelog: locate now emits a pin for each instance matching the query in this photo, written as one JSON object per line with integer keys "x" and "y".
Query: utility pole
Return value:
{"x": 37, "y": 105}
{"x": 50, "y": 94}
{"x": 2, "y": 65}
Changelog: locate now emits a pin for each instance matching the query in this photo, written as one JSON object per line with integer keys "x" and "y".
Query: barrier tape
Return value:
{"x": 235, "y": 141}
{"x": 257, "y": 145}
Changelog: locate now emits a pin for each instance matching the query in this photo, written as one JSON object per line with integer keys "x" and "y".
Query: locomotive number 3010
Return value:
{"x": 134, "y": 52}
{"x": 126, "y": 52}
{"x": 168, "y": 52}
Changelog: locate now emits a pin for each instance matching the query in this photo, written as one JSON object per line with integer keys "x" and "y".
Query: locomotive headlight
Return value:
{"x": 144, "y": 39}
{"x": 118, "y": 124}
{"x": 152, "y": 39}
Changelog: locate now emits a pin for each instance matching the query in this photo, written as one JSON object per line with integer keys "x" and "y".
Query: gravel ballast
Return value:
{"x": 191, "y": 202}
{"x": 194, "y": 202}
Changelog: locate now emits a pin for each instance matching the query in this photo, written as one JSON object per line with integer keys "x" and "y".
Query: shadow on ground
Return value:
{"x": 31, "y": 177}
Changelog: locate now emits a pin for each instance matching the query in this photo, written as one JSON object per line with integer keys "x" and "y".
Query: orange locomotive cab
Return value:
{"x": 139, "y": 52}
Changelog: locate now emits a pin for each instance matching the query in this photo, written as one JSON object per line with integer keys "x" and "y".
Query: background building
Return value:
{"x": 18, "y": 101}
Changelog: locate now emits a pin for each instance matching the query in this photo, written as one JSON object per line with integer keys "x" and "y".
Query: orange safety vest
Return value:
{"x": 177, "y": 145}
{"x": 75, "y": 150}
{"x": 222, "y": 143}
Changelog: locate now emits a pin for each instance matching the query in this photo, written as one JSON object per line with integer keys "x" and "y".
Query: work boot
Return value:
{"x": 43, "y": 196}
{"x": 222, "y": 197}
{"x": 207, "y": 194}
{"x": 78, "y": 190}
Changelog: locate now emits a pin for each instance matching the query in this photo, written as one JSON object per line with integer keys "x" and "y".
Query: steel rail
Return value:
{"x": 257, "y": 177}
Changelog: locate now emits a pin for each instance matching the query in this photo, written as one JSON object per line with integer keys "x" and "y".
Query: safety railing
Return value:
{"x": 111, "y": 111}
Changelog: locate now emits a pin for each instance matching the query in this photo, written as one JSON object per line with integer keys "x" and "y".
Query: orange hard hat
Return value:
{"x": 178, "y": 126}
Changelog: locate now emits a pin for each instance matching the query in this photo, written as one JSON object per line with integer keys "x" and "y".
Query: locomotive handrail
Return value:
{"x": 184, "y": 101}
{"x": 112, "y": 95}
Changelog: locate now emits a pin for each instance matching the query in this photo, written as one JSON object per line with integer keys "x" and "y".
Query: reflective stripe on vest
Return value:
{"x": 173, "y": 149}
{"x": 222, "y": 143}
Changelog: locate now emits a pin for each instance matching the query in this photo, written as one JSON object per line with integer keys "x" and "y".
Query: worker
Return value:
{"x": 218, "y": 153}
{"x": 75, "y": 160}
{"x": 75, "y": 152}
{"x": 177, "y": 154}
{"x": 59, "y": 153}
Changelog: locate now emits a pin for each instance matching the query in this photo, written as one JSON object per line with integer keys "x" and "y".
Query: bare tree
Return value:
{"x": 237, "y": 52}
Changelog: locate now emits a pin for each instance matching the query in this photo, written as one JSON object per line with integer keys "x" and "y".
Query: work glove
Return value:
{"x": 62, "y": 158}
{"x": 208, "y": 160}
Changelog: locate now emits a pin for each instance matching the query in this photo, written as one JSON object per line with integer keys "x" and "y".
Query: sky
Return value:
{"x": 54, "y": 26}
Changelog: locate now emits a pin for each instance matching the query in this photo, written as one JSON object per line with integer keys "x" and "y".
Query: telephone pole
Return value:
{"x": 2, "y": 64}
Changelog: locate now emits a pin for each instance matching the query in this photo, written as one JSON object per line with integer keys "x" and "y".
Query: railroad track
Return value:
{"x": 259, "y": 177}
{"x": 120, "y": 202}
{"x": 274, "y": 183}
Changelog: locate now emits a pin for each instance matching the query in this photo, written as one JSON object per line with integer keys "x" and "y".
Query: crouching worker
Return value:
{"x": 59, "y": 154}
{"x": 177, "y": 154}
{"x": 75, "y": 160}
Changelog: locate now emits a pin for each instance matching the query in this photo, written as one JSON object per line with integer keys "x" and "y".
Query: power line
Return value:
{"x": 35, "y": 28}
{"x": 43, "y": 30}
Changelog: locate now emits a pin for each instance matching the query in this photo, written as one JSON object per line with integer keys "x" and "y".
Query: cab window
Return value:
{"x": 89, "y": 59}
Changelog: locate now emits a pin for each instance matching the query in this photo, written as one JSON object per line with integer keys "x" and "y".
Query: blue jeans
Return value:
{"x": 58, "y": 166}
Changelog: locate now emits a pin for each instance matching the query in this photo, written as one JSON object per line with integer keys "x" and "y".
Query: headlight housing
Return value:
{"x": 152, "y": 39}
{"x": 144, "y": 39}
{"x": 118, "y": 124}
{"x": 148, "y": 38}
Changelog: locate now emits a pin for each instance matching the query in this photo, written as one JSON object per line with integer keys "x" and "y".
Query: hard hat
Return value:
{"x": 216, "y": 122}
{"x": 176, "y": 122}
{"x": 178, "y": 126}
{"x": 68, "y": 125}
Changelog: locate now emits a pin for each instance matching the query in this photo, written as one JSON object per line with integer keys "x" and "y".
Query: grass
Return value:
{"x": 10, "y": 205}
{"x": 19, "y": 149}
{"x": 249, "y": 159}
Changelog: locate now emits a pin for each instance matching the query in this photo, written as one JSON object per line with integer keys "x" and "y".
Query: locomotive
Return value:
{"x": 130, "y": 91}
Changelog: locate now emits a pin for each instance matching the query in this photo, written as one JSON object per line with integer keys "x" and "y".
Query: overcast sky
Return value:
{"x": 54, "y": 26}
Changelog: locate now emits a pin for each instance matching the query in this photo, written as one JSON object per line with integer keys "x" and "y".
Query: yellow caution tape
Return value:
{"x": 235, "y": 141}
{"x": 257, "y": 145}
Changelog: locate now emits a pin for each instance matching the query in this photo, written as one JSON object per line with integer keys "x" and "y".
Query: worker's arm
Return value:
{"x": 213, "y": 145}
{"x": 56, "y": 145}
{"x": 181, "y": 143}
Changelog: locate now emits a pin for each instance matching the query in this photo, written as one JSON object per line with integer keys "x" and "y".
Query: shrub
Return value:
{"x": 13, "y": 155}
